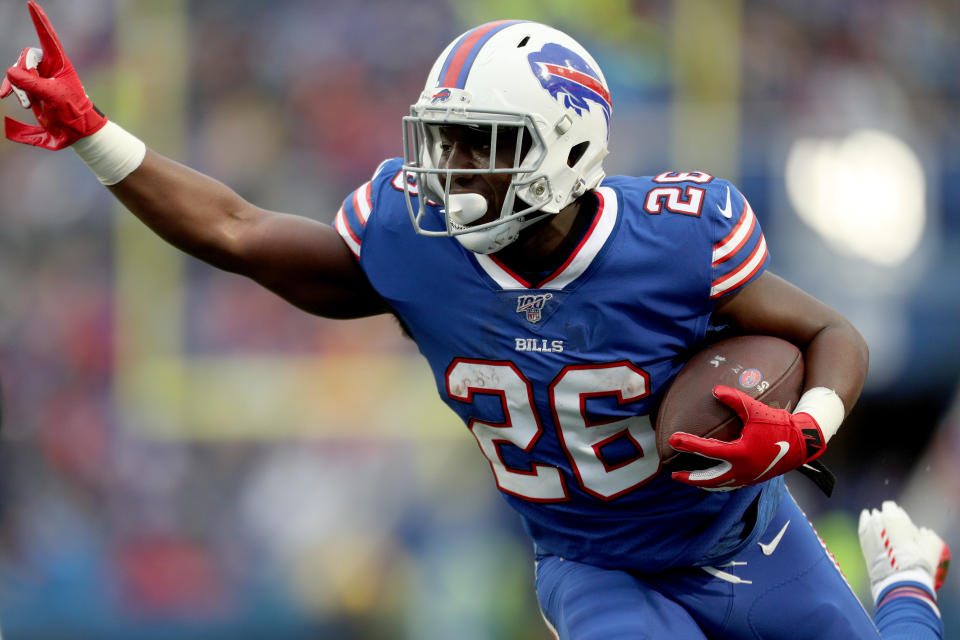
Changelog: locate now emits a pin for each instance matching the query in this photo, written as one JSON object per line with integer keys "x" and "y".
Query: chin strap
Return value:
{"x": 462, "y": 209}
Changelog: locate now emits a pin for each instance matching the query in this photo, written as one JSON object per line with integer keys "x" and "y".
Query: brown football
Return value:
{"x": 767, "y": 368}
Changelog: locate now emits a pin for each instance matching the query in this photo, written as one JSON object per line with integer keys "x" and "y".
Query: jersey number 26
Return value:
{"x": 581, "y": 440}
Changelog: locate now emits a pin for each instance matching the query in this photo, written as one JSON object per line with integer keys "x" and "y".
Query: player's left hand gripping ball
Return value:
{"x": 772, "y": 442}
{"x": 45, "y": 81}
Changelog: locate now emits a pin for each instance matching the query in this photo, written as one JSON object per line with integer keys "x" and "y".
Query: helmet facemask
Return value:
{"x": 506, "y": 135}
{"x": 521, "y": 81}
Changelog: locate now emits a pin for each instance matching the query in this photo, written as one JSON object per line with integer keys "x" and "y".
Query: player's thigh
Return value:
{"x": 785, "y": 586}
{"x": 583, "y": 602}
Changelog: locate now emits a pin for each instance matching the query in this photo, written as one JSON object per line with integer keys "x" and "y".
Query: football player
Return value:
{"x": 569, "y": 300}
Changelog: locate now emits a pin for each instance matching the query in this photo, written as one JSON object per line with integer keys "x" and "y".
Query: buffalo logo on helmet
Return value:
{"x": 570, "y": 79}
{"x": 440, "y": 96}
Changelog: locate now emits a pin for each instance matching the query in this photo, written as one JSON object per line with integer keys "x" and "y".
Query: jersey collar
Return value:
{"x": 575, "y": 265}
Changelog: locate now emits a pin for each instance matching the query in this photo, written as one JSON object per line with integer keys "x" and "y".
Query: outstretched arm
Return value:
{"x": 303, "y": 261}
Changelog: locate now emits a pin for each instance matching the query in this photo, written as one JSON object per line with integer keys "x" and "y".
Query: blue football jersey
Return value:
{"x": 557, "y": 379}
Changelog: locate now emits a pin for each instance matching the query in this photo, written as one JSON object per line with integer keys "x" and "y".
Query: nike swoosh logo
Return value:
{"x": 784, "y": 447}
{"x": 771, "y": 546}
{"x": 726, "y": 211}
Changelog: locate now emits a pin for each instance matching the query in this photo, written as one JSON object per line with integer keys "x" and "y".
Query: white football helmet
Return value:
{"x": 505, "y": 75}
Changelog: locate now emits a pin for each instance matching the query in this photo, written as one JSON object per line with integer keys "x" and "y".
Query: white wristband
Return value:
{"x": 825, "y": 406}
{"x": 111, "y": 153}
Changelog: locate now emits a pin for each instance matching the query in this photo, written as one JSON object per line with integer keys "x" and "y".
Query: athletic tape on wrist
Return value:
{"x": 111, "y": 153}
{"x": 825, "y": 406}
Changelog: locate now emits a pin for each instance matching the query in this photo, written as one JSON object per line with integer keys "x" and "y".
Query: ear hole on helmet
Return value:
{"x": 576, "y": 152}
{"x": 523, "y": 42}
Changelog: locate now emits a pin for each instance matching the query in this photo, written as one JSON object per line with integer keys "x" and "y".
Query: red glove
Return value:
{"x": 52, "y": 90}
{"x": 772, "y": 442}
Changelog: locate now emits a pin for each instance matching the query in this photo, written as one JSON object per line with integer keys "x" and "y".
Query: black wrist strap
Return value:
{"x": 819, "y": 475}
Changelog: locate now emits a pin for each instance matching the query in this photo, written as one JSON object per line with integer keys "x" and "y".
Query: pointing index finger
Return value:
{"x": 53, "y": 55}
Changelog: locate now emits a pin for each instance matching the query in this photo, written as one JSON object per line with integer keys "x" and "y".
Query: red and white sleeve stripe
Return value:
{"x": 743, "y": 273}
{"x": 738, "y": 237}
{"x": 352, "y": 217}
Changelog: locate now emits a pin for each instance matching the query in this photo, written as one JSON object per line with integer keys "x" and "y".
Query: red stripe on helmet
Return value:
{"x": 462, "y": 51}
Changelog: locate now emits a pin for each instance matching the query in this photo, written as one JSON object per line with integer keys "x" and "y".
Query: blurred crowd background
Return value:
{"x": 185, "y": 456}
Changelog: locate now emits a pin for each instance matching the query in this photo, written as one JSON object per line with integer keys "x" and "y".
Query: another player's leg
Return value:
{"x": 907, "y": 564}
{"x": 583, "y": 602}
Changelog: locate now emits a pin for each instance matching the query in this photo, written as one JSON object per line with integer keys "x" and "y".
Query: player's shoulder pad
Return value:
{"x": 725, "y": 221}
{"x": 692, "y": 194}
{"x": 723, "y": 203}
{"x": 727, "y": 210}
{"x": 359, "y": 207}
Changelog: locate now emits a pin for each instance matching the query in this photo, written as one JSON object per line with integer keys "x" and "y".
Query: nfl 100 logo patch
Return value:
{"x": 532, "y": 305}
